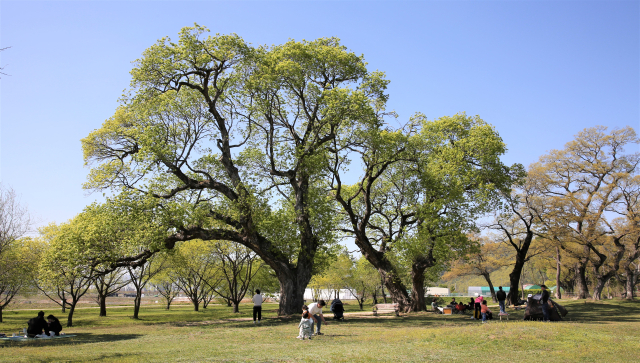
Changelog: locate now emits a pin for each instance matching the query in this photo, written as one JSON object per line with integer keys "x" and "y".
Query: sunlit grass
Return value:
{"x": 605, "y": 331}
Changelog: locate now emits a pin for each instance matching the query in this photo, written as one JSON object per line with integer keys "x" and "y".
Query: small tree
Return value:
{"x": 166, "y": 286}
{"x": 62, "y": 271}
{"x": 15, "y": 220}
{"x": 141, "y": 275}
{"x": 194, "y": 270}
{"x": 16, "y": 269}
{"x": 106, "y": 285}
{"x": 363, "y": 280}
{"x": 236, "y": 267}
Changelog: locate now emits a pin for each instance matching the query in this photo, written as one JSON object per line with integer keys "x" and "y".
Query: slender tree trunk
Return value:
{"x": 493, "y": 292}
{"x": 374, "y": 296}
{"x": 169, "y": 303}
{"x": 72, "y": 308}
{"x": 558, "y": 266}
{"x": 102, "y": 302}
{"x": 384, "y": 294}
{"x": 64, "y": 302}
{"x": 1, "y": 321}
{"x": 136, "y": 304}
{"x": 581, "y": 279}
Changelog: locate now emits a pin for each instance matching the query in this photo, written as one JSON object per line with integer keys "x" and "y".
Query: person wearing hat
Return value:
{"x": 544, "y": 300}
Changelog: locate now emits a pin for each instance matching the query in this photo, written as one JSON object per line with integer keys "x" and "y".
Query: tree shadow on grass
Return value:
{"x": 80, "y": 338}
{"x": 603, "y": 312}
{"x": 101, "y": 357}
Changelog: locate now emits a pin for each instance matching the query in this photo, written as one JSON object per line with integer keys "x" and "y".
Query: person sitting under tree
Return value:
{"x": 37, "y": 325}
{"x": 544, "y": 300}
{"x": 54, "y": 324}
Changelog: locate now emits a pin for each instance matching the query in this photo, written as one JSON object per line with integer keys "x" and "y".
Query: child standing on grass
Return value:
{"x": 485, "y": 311}
{"x": 305, "y": 326}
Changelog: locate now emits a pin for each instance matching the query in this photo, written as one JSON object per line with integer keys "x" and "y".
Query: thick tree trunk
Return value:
{"x": 601, "y": 281}
{"x": 581, "y": 279}
{"x": 196, "y": 302}
{"x": 397, "y": 290}
{"x": 629, "y": 283}
{"x": 236, "y": 307}
{"x": 597, "y": 289}
{"x": 514, "y": 278}
{"x": 102, "y": 301}
{"x": 418, "y": 302}
{"x": 558, "y": 265}
{"x": 291, "y": 291}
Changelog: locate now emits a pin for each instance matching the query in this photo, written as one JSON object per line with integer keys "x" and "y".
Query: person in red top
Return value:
{"x": 485, "y": 311}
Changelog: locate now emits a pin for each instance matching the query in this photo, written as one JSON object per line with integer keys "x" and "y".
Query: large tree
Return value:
{"x": 581, "y": 183}
{"x": 420, "y": 190}
{"x": 106, "y": 285}
{"x": 233, "y": 129}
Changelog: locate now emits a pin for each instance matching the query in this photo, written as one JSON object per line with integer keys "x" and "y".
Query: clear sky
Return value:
{"x": 539, "y": 71}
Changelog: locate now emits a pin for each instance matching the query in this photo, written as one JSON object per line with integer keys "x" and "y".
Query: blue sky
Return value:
{"x": 539, "y": 71}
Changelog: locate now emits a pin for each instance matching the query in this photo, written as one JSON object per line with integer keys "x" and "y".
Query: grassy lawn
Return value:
{"x": 607, "y": 331}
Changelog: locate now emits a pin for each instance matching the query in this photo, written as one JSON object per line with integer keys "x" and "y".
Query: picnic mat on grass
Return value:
{"x": 23, "y": 339}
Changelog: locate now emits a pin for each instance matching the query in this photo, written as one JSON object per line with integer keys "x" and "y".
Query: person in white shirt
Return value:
{"x": 315, "y": 309}
{"x": 257, "y": 307}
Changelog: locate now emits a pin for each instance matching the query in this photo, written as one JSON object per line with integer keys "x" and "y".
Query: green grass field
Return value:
{"x": 607, "y": 331}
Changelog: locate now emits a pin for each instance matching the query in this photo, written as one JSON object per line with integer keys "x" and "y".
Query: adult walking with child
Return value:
{"x": 315, "y": 309}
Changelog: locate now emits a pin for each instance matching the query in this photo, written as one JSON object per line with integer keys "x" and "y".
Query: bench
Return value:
{"x": 503, "y": 314}
{"x": 386, "y": 308}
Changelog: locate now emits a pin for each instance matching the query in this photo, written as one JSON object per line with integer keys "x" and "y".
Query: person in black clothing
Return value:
{"x": 544, "y": 299}
{"x": 54, "y": 324}
{"x": 37, "y": 325}
{"x": 501, "y": 296}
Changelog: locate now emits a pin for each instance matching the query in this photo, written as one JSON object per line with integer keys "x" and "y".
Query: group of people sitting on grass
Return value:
{"x": 477, "y": 305}
{"x": 39, "y": 327}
